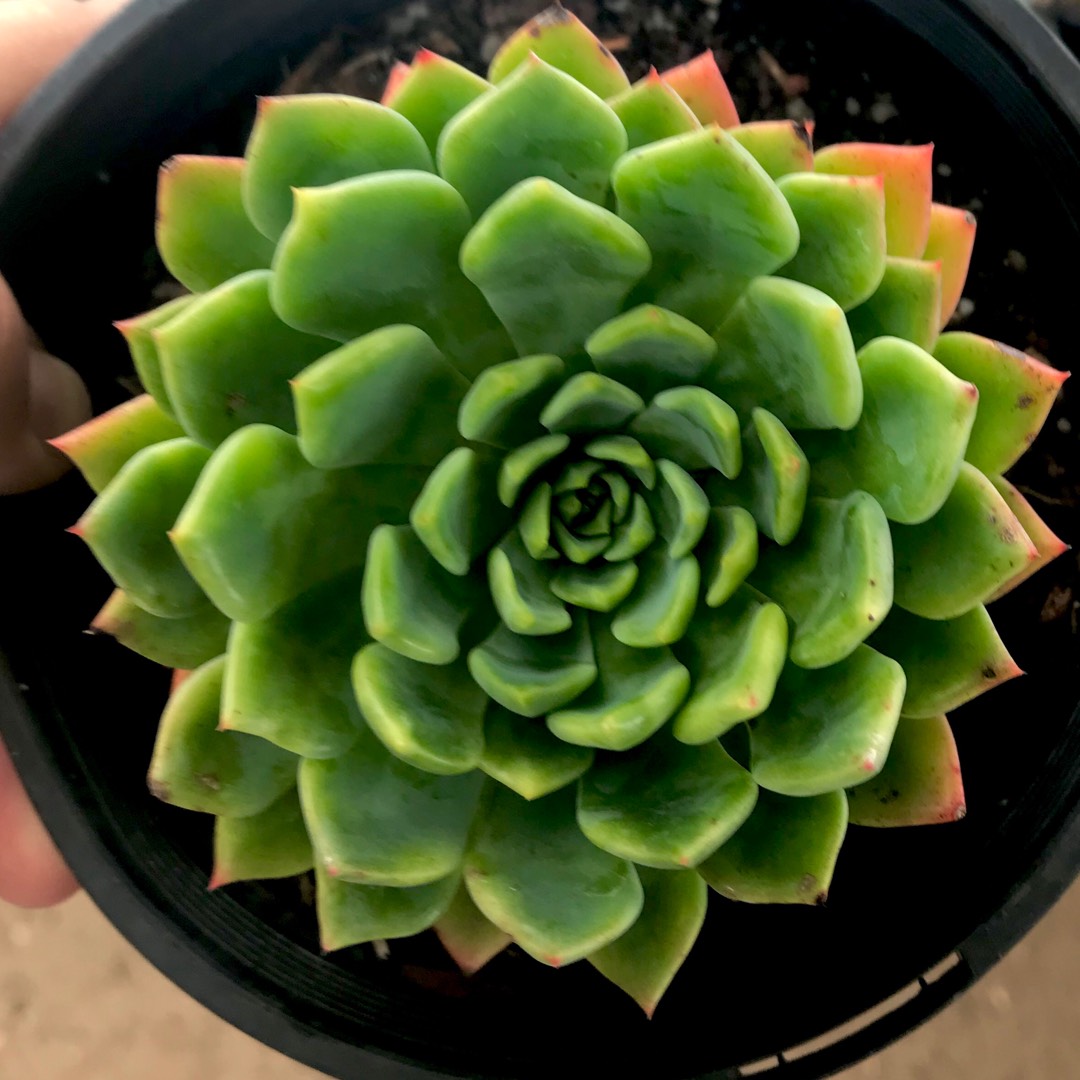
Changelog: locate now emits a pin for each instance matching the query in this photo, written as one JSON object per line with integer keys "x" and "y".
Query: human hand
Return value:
{"x": 40, "y": 396}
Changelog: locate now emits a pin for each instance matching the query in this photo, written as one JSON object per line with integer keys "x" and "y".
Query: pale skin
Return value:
{"x": 40, "y": 397}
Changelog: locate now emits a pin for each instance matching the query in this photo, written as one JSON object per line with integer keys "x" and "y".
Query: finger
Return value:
{"x": 32, "y": 871}
{"x": 37, "y": 35}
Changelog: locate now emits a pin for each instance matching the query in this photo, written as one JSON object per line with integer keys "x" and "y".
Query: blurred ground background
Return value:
{"x": 78, "y": 1003}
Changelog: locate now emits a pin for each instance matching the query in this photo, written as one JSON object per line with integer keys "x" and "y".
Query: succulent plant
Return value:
{"x": 567, "y": 499}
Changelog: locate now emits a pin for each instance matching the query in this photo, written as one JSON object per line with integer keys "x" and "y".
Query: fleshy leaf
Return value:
{"x": 366, "y": 403}
{"x": 394, "y": 81}
{"x": 920, "y": 784}
{"x": 533, "y": 874}
{"x": 402, "y": 221}
{"x": 138, "y": 332}
{"x": 103, "y": 445}
{"x": 1048, "y": 545}
{"x": 590, "y": 402}
{"x": 552, "y": 265}
{"x": 634, "y": 535}
{"x": 625, "y": 451}
{"x": 520, "y": 587}
{"x": 780, "y": 147}
{"x": 534, "y": 524}
{"x": 645, "y": 960}
{"x": 907, "y": 447}
{"x": 692, "y": 427}
{"x": 411, "y": 604}
{"x": 127, "y": 525}
{"x": 595, "y": 588}
{"x": 692, "y": 199}
{"x": 287, "y": 677}
{"x": 560, "y": 38}
{"x": 184, "y": 642}
{"x": 271, "y": 844}
{"x": 828, "y": 728}
{"x": 310, "y": 140}
{"x": 527, "y": 758}
{"x": 263, "y": 526}
{"x": 662, "y": 603}
{"x": 636, "y": 691}
{"x": 376, "y": 820}
{"x": 835, "y": 581}
{"x": 429, "y": 716}
{"x": 203, "y": 232}
{"x": 735, "y": 654}
{"x": 651, "y": 110}
{"x": 665, "y": 804}
{"x": 531, "y": 676}
{"x": 907, "y": 304}
{"x": 351, "y": 914}
{"x": 786, "y": 347}
{"x": 1016, "y": 393}
{"x": 431, "y": 92}
{"x": 522, "y": 464}
{"x": 538, "y": 122}
{"x": 842, "y": 234}
{"x": 962, "y": 555}
{"x": 468, "y": 935}
{"x": 785, "y": 853}
{"x": 680, "y": 508}
{"x": 908, "y": 186}
{"x": 948, "y": 662}
{"x": 197, "y": 767}
{"x": 220, "y": 381}
{"x": 502, "y": 406}
{"x": 729, "y": 552}
{"x": 951, "y": 243}
{"x": 699, "y": 83}
{"x": 650, "y": 349}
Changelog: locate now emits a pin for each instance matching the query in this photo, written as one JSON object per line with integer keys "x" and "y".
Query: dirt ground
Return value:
{"x": 78, "y": 1003}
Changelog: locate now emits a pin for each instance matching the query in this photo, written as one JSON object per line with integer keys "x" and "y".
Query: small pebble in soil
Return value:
{"x": 1064, "y": 425}
{"x": 1016, "y": 260}
{"x": 1057, "y": 603}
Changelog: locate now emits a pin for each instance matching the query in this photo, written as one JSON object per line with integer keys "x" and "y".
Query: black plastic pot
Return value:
{"x": 915, "y": 916}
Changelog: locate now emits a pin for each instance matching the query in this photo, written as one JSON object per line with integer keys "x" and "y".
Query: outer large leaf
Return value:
{"x": 728, "y": 552}
{"x": 1048, "y": 545}
{"x": 651, "y": 110}
{"x": 376, "y": 820}
{"x": 699, "y": 83}
{"x": 139, "y": 334}
{"x": 271, "y": 844}
{"x": 952, "y": 240}
{"x": 534, "y": 875}
{"x": 468, "y": 935}
{"x": 906, "y": 304}
{"x": 780, "y": 147}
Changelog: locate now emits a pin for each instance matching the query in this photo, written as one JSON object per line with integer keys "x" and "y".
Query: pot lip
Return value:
{"x": 1017, "y": 33}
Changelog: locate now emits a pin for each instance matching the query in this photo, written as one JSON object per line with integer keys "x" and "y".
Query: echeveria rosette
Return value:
{"x": 567, "y": 499}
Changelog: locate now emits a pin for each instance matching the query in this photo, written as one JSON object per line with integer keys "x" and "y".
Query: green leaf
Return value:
{"x": 842, "y": 234}
{"x": 964, "y": 554}
{"x": 468, "y": 935}
{"x": 785, "y": 853}
{"x": 907, "y": 447}
{"x": 947, "y": 662}
{"x": 534, "y": 524}
{"x": 786, "y": 347}
{"x": 734, "y": 654}
{"x": 552, "y": 265}
{"x": 367, "y": 402}
{"x": 595, "y": 588}
{"x": 102, "y": 446}
{"x": 645, "y": 960}
{"x": 378, "y": 821}
{"x": 139, "y": 334}
{"x": 1016, "y": 392}
{"x": 907, "y": 304}
{"x": 503, "y": 405}
{"x": 828, "y": 728}
{"x": 219, "y": 380}
{"x": 310, "y": 140}
{"x": 651, "y": 110}
{"x": 680, "y": 509}
{"x": 920, "y": 784}
{"x": 410, "y": 603}
{"x": 287, "y": 676}
{"x": 780, "y": 147}
{"x": 431, "y": 717}
{"x": 539, "y": 122}
{"x": 527, "y": 758}
{"x": 534, "y": 875}
{"x": 636, "y": 691}
{"x": 522, "y": 464}
{"x": 351, "y": 914}
{"x": 203, "y": 232}
{"x": 590, "y": 402}
{"x": 531, "y": 676}
{"x": 271, "y": 844}
{"x": 623, "y": 450}
{"x": 728, "y": 552}
{"x": 185, "y": 642}
{"x": 561, "y": 39}
{"x": 263, "y": 526}
{"x": 662, "y": 603}
{"x": 520, "y": 588}
{"x": 693, "y": 198}
{"x": 127, "y": 527}
{"x": 402, "y": 221}
{"x": 693, "y": 428}
{"x": 456, "y": 515}
{"x": 197, "y": 767}
{"x": 650, "y": 350}
{"x": 634, "y": 535}
{"x": 835, "y": 581}
{"x": 665, "y": 804}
